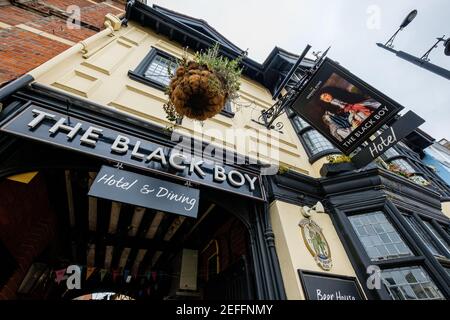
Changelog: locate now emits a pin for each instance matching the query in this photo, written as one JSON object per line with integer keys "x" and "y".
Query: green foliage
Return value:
{"x": 282, "y": 169}
{"x": 228, "y": 71}
{"x": 338, "y": 158}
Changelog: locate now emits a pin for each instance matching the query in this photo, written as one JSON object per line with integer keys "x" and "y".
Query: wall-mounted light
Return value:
{"x": 317, "y": 208}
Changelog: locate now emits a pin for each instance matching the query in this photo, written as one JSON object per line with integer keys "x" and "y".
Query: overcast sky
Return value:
{"x": 351, "y": 28}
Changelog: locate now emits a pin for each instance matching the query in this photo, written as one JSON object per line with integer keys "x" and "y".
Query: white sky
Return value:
{"x": 351, "y": 27}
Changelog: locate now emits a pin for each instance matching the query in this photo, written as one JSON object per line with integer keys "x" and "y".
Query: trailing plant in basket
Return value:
{"x": 201, "y": 86}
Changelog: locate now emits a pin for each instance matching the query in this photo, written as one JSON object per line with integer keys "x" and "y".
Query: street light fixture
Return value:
{"x": 447, "y": 47}
{"x": 410, "y": 17}
{"x": 424, "y": 61}
{"x": 435, "y": 45}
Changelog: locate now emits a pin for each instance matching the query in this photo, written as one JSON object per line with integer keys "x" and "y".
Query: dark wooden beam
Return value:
{"x": 130, "y": 242}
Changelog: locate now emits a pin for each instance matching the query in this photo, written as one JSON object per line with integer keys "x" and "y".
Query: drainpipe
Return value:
{"x": 112, "y": 23}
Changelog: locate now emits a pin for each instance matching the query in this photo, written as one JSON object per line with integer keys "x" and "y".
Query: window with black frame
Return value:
{"x": 401, "y": 164}
{"x": 410, "y": 162}
{"x": 155, "y": 70}
{"x": 378, "y": 236}
{"x": 410, "y": 283}
{"x": 444, "y": 244}
{"x": 316, "y": 144}
{"x": 424, "y": 236}
{"x": 382, "y": 242}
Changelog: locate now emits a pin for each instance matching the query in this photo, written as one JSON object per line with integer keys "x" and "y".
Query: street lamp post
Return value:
{"x": 410, "y": 17}
{"x": 424, "y": 61}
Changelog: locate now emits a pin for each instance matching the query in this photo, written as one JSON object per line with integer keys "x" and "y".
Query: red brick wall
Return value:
{"x": 27, "y": 225}
{"x": 22, "y": 51}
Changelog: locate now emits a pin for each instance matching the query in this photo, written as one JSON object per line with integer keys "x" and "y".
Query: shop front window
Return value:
{"x": 379, "y": 238}
{"x": 410, "y": 283}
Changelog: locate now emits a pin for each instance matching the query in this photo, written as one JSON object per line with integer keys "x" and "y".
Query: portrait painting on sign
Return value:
{"x": 342, "y": 107}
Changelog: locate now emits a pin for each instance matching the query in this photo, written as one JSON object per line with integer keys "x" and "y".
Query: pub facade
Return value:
{"x": 102, "y": 193}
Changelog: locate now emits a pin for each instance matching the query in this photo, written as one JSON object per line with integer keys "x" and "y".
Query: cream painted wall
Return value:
{"x": 101, "y": 75}
{"x": 293, "y": 253}
{"x": 446, "y": 208}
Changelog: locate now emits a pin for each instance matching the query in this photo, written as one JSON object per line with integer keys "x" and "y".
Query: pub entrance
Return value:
{"x": 115, "y": 247}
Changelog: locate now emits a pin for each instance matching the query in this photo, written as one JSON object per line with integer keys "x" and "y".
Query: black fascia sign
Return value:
{"x": 48, "y": 126}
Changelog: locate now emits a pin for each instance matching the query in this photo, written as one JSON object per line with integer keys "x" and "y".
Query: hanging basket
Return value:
{"x": 197, "y": 92}
{"x": 202, "y": 85}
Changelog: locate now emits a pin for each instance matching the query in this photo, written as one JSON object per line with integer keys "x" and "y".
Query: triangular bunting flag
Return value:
{"x": 89, "y": 272}
{"x": 154, "y": 275}
{"x": 148, "y": 275}
{"x": 116, "y": 273}
{"x": 125, "y": 274}
{"x": 103, "y": 273}
{"x": 60, "y": 275}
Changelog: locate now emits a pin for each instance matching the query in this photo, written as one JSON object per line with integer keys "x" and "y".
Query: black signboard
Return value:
{"x": 139, "y": 190}
{"x": 324, "y": 286}
{"x": 342, "y": 107}
{"x": 397, "y": 131}
{"x": 48, "y": 126}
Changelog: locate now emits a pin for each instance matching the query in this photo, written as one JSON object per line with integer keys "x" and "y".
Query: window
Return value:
{"x": 158, "y": 69}
{"x": 299, "y": 123}
{"x": 154, "y": 69}
{"x": 316, "y": 142}
{"x": 403, "y": 165}
{"x": 390, "y": 153}
{"x": 379, "y": 238}
{"x": 410, "y": 283}
{"x": 227, "y": 108}
{"x": 447, "y": 270}
{"x": 438, "y": 236}
{"x": 426, "y": 239}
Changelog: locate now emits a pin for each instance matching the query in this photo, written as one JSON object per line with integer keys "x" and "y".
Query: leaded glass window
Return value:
{"x": 426, "y": 239}
{"x": 158, "y": 69}
{"x": 410, "y": 283}
{"x": 316, "y": 142}
{"x": 403, "y": 165}
{"x": 379, "y": 238}
{"x": 437, "y": 236}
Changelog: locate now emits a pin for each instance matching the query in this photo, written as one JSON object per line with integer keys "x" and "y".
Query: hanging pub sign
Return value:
{"x": 38, "y": 123}
{"x": 342, "y": 107}
{"x": 325, "y": 286}
{"x": 139, "y": 190}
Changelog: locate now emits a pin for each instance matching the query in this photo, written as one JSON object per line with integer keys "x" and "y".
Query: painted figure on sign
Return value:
{"x": 345, "y": 110}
